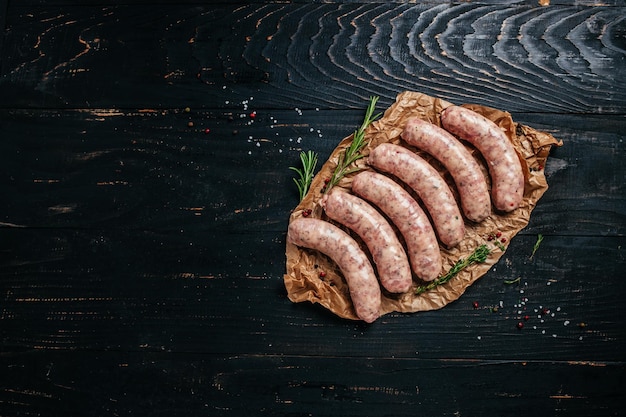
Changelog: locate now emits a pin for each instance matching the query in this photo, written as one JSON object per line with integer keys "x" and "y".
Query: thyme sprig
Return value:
{"x": 479, "y": 255}
{"x": 353, "y": 152}
{"x": 537, "y": 243}
{"x": 305, "y": 175}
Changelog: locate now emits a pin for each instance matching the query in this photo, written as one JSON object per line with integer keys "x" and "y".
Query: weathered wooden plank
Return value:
{"x": 519, "y": 57}
{"x": 149, "y": 170}
{"x": 121, "y": 383}
{"x": 534, "y": 3}
{"x": 222, "y": 293}
{"x": 3, "y": 15}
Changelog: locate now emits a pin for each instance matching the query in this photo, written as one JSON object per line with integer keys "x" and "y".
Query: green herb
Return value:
{"x": 309, "y": 161}
{"x": 478, "y": 256}
{"x": 513, "y": 281}
{"x": 353, "y": 152}
{"x": 500, "y": 245}
{"x": 537, "y": 243}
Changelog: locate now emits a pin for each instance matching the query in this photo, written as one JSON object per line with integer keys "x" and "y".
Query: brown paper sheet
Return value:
{"x": 303, "y": 280}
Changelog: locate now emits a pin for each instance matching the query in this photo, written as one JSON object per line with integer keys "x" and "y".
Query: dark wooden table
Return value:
{"x": 143, "y": 211}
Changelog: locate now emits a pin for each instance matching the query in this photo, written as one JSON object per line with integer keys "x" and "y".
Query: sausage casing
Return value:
{"x": 387, "y": 252}
{"x": 429, "y": 186}
{"x": 467, "y": 175}
{"x": 409, "y": 218}
{"x": 505, "y": 168}
{"x": 327, "y": 238}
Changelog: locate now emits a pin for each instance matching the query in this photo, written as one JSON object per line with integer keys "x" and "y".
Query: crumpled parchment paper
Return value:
{"x": 312, "y": 276}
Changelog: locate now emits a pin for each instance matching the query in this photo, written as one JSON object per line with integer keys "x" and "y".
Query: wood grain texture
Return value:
{"x": 205, "y": 293}
{"x": 141, "y": 256}
{"x": 311, "y": 55}
{"x": 222, "y": 385}
{"x": 148, "y": 170}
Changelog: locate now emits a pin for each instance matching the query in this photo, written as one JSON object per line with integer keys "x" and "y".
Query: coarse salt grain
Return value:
{"x": 566, "y": 322}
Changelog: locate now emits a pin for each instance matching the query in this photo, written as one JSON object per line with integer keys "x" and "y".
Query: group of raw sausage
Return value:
{"x": 378, "y": 201}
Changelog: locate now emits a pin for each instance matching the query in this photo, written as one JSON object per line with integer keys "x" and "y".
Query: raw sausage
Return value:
{"x": 409, "y": 218}
{"x": 505, "y": 168}
{"x": 429, "y": 186}
{"x": 388, "y": 254}
{"x": 327, "y": 238}
{"x": 469, "y": 179}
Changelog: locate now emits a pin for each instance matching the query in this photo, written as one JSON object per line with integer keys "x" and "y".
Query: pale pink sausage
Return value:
{"x": 505, "y": 168}
{"x": 469, "y": 179}
{"x": 388, "y": 254}
{"x": 429, "y": 186}
{"x": 339, "y": 246}
{"x": 409, "y": 218}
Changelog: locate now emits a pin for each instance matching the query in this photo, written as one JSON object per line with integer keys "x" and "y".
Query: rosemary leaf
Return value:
{"x": 512, "y": 281}
{"x": 479, "y": 255}
{"x": 305, "y": 175}
{"x": 537, "y": 243}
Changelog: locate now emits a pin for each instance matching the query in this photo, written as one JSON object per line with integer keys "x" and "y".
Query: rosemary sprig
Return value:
{"x": 353, "y": 152}
{"x": 537, "y": 243}
{"x": 305, "y": 175}
{"x": 478, "y": 256}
